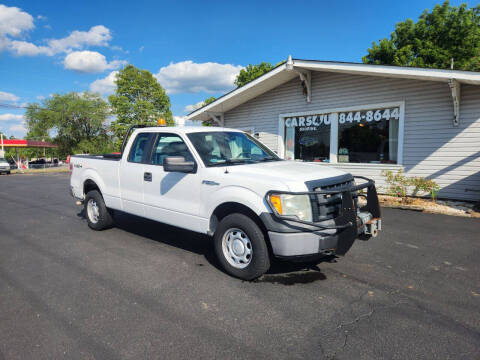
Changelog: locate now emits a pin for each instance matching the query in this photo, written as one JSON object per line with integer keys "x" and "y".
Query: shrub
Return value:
{"x": 424, "y": 185}
{"x": 399, "y": 184}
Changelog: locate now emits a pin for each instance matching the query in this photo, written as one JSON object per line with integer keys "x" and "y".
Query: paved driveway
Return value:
{"x": 150, "y": 291}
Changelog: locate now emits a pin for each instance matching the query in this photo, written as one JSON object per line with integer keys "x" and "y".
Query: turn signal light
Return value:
{"x": 276, "y": 202}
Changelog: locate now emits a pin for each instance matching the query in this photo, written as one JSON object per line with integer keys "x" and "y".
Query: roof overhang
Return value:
{"x": 27, "y": 143}
{"x": 283, "y": 73}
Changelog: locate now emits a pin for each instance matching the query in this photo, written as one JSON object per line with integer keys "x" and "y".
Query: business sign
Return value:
{"x": 312, "y": 122}
{"x": 307, "y": 121}
{"x": 369, "y": 115}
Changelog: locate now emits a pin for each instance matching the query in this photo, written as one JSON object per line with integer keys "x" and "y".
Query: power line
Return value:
{"x": 12, "y": 106}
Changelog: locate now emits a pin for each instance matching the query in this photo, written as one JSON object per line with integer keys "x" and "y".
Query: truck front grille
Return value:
{"x": 333, "y": 207}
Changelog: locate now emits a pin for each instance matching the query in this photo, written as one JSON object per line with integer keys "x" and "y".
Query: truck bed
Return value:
{"x": 111, "y": 157}
{"x": 102, "y": 169}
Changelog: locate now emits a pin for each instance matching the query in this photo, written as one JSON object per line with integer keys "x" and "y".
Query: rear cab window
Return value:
{"x": 140, "y": 150}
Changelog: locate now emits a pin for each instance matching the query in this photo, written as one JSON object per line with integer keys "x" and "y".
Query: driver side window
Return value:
{"x": 169, "y": 145}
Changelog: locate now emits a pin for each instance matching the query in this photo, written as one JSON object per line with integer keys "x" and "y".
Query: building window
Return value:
{"x": 307, "y": 138}
{"x": 368, "y": 136}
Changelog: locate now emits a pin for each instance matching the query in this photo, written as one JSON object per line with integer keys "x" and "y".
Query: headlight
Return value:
{"x": 292, "y": 205}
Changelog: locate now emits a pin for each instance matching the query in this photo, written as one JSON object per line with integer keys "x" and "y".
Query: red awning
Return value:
{"x": 27, "y": 143}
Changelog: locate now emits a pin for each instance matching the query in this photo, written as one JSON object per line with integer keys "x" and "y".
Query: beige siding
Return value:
{"x": 433, "y": 147}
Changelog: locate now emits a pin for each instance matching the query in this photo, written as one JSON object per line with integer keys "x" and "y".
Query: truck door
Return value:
{"x": 172, "y": 197}
{"x": 132, "y": 173}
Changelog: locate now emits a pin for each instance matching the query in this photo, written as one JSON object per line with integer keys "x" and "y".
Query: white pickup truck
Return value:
{"x": 225, "y": 183}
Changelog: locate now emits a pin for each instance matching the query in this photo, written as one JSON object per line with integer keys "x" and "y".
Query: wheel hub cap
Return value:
{"x": 237, "y": 248}
{"x": 93, "y": 211}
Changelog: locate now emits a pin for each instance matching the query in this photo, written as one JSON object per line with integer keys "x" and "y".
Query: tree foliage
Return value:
{"x": 209, "y": 100}
{"x": 438, "y": 36}
{"x": 138, "y": 99}
{"x": 251, "y": 72}
{"x": 206, "y": 102}
{"x": 74, "y": 121}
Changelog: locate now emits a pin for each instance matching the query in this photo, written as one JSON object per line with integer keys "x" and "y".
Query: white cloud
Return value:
{"x": 97, "y": 36}
{"x": 140, "y": 49}
{"x": 182, "y": 121}
{"x": 106, "y": 85}
{"x": 40, "y": 97}
{"x": 14, "y": 21}
{"x": 190, "y": 77}
{"x": 193, "y": 107}
{"x": 19, "y": 128}
{"x": 90, "y": 62}
{"x": 25, "y": 48}
{"x": 5, "y": 96}
{"x": 11, "y": 117}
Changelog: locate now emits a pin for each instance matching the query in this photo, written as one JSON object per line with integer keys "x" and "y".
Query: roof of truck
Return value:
{"x": 185, "y": 129}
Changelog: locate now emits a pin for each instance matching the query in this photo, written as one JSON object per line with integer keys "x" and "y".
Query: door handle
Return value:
{"x": 147, "y": 176}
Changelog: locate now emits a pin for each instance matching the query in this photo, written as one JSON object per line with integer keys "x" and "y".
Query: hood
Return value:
{"x": 292, "y": 173}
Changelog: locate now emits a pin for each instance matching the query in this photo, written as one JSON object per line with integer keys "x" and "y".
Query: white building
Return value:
{"x": 365, "y": 119}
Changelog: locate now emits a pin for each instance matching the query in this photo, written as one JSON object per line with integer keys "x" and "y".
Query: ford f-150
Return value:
{"x": 226, "y": 184}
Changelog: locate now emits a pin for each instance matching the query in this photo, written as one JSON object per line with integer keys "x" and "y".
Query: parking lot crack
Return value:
{"x": 355, "y": 322}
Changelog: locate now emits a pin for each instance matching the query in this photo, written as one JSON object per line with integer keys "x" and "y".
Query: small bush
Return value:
{"x": 421, "y": 184}
{"x": 399, "y": 184}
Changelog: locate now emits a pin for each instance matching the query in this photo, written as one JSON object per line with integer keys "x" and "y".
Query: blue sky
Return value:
{"x": 195, "y": 49}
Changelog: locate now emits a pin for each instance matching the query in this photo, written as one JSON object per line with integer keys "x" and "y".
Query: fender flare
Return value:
{"x": 236, "y": 194}
{"x": 93, "y": 176}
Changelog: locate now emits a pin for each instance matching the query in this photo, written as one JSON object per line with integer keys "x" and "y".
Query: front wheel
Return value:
{"x": 97, "y": 214}
{"x": 241, "y": 247}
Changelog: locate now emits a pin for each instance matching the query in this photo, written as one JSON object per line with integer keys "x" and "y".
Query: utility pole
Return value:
{"x": 2, "y": 152}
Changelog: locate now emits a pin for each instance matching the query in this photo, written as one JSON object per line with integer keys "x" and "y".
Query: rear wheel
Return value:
{"x": 241, "y": 248}
{"x": 97, "y": 214}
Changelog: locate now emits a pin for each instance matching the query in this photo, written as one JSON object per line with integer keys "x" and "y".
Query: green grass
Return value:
{"x": 60, "y": 169}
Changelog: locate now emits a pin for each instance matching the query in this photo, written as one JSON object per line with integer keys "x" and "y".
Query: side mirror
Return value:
{"x": 178, "y": 164}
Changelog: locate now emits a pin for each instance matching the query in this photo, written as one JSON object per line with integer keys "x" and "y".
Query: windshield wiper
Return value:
{"x": 269, "y": 158}
{"x": 231, "y": 162}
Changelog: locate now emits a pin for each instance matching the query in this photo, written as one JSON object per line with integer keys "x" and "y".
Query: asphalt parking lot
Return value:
{"x": 149, "y": 291}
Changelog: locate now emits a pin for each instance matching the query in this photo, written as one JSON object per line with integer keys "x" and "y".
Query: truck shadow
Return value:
{"x": 281, "y": 271}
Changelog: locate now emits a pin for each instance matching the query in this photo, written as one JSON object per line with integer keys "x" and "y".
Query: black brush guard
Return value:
{"x": 347, "y": 223}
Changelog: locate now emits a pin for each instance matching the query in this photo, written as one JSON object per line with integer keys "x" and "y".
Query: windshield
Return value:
{"x": 220, "y": 148}
{"x": 2, "y": 160}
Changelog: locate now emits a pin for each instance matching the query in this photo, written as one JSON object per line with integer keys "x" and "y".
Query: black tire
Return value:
{"x": 104, "y": 219}
{"x": 259, "y": 262}
{"x": 8, "y": 172}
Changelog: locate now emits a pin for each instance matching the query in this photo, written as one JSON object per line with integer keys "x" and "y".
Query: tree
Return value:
{"x": 71, "y": 121}
{"x": 209, "y": 100}
{"x": 138, "y": 99}
{"x": 433, "y": 41}
{"x": 206, "y": 102}
{"x": 251, "y": 72}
